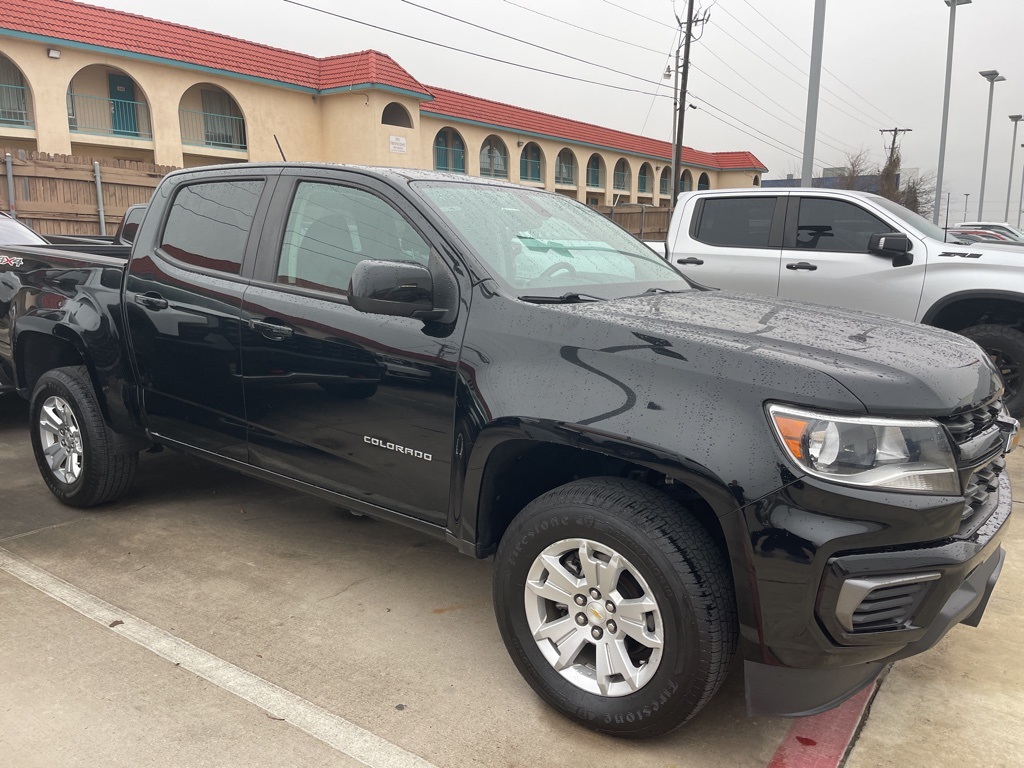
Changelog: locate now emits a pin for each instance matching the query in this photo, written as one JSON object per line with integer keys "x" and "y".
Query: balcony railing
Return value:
{"x": 595, "y": 179}
{"x": 621, "y": 181}
{"x": 529, "y": 170}
{"x": 449, "y": 159}
{"x": 109, "y": 117}
{"x": 14, "y": 106}
{"x": 666, "y": 185}
{"x": 206, "y": 129}
{"x": 644, "y": 185}
{"x": 565, "y": 174}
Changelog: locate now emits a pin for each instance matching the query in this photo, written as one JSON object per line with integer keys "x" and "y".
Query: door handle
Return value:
{"x": 690, "y": 260}
{"x": 802, "y": 265}
{"x": 151, "y": 300}
{"x": 271, "y": 331}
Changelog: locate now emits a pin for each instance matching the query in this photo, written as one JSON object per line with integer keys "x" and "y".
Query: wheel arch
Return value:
{"x": 512, "y": 464}
{"x": 966, "y": 308}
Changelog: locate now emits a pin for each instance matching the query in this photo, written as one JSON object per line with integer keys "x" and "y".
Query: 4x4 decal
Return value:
{"x": 11, "y": 261}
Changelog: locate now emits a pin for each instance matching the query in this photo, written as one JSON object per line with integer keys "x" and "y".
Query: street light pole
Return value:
{"x": 1020, "y": 203}
{"x": 1013, "y": 151}
{"x": 966, "y": 195}
{"x": 993, "y": 77}
{"x": 813, "y": 86}
{"x": 945, "y": 106}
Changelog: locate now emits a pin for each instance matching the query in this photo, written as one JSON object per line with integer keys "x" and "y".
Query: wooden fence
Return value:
{"x": 644, "y": 221}
{"x": 56, "y": 194}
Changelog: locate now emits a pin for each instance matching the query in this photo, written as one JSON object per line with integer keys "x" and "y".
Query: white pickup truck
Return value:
{"x": 857, "y": 250}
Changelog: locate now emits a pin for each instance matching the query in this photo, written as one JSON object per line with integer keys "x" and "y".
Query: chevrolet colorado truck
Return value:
{"x": 668, "y": 477}
{"x": 859, "y": 251}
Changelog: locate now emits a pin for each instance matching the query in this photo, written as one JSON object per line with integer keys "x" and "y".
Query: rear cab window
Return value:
{"x": 738, "y": 222}
{"x": 209, "y": 224}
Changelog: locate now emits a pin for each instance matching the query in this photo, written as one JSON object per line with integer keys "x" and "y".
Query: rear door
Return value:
{"x": 358, "y": 404}
{"x": 183, "y": 299}
{"x": 734, "y": 242}
{"x": 826, "y": 259}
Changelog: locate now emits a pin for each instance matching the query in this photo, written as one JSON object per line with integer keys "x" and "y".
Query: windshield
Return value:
{"x": 538, "y": 243}
{"x": 915, "y": 220}
{"x": 15, "y": 233}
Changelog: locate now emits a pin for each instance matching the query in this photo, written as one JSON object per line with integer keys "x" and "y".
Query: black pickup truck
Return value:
{"x": 662, "y": 472}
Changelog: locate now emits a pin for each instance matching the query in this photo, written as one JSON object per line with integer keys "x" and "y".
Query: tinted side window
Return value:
{"x": 209, "y": 224}
{"x": 332, "y": 228}
{"x": 742, "y": 222}
{"x": 835, "y": 225}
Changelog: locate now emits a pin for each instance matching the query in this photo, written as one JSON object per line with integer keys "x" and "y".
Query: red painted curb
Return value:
{"x": 821, "y": 741}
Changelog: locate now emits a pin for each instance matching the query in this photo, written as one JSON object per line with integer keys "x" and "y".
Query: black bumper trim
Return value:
{"x": 789, "y": 692}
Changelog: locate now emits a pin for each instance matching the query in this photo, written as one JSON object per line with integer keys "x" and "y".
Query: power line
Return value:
{"x": 531, "y": 45}
{"x": 471, "y": 53}
{"x": 583, "y": 29}
{"x": 795, "y": 66}
{"x": 630, "y": 10}
{"x": 833, "y": 74}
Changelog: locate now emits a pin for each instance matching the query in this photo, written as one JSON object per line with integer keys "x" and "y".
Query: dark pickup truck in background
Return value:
{"x": 662, "y": 472}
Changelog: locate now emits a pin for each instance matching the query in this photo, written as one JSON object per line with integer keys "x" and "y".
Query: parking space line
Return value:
{"x": 39, "y": 530}
{"x": 335, "y": 731}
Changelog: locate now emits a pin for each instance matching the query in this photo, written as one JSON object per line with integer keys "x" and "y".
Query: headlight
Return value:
{"x": 898, "y": 454}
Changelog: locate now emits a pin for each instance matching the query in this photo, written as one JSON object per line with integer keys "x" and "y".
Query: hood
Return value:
{"x": 891, "y": 366}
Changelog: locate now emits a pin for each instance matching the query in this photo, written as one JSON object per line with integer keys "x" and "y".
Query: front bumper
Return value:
{"x": 786, "y": 691}
{"x": 812, "y": 655}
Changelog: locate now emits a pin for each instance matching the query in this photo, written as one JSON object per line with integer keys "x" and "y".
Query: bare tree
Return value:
{"x": 915, "y": 191}
{"x": 857, "y": 166}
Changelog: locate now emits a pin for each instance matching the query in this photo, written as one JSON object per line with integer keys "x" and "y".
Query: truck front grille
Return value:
{"x": 966, "y": 425}
{"x": 887, "y": 608}
{"x": 981, "y": 491}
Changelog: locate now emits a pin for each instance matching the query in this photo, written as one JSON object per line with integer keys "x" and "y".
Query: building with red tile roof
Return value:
{"x": 118, "y": 84}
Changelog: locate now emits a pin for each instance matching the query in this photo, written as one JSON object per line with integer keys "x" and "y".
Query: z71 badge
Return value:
{"x": 954, "y": 254}
{"x": 11, "y": 261}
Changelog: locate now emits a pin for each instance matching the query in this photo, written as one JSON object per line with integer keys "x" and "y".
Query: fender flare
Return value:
{"x": 946, "y": 301}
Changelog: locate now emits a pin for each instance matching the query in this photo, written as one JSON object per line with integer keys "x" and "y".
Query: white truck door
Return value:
{"x": 825, "y": 260}
{"x": 732, "y": 242}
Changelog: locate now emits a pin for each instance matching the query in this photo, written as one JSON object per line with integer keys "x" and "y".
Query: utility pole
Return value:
{"x": 677, "y": 145}
{"x": 895, "y": 136}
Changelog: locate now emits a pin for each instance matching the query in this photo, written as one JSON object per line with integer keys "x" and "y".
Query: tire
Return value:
{"x": 666, "y": 557}
{"x": 66, "y": 421}
{"x": 1005, "y": 346}
{"x": 360, "y": 391}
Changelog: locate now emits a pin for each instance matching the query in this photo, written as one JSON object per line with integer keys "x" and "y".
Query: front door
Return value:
{"x": 123, "y": 116}
{"x": 825, "y": 260}
{"x": 358, "y": 404}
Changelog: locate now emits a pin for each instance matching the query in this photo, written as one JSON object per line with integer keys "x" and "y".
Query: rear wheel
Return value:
{"x": 616, "y": 605}
{"x": 73, "y": 447}
{"x": 1005, "y": 346}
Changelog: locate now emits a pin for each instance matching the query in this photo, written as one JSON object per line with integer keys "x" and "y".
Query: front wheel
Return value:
{"x": 73, "y": 447}
{"x": 1005, "y": 346}
{"x": 616, "y": 605}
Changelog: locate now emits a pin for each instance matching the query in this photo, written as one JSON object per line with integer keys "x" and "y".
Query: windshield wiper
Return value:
{"x": 655, "y": 289}
{"x": 565, "y": 298}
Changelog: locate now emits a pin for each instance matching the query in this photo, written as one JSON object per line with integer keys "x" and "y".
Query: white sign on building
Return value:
{"x": 398, "y": 144}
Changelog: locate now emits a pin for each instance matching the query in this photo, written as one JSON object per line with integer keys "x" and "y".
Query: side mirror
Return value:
{"x": 892, "y": 245}
{"x": 393, "y": 288}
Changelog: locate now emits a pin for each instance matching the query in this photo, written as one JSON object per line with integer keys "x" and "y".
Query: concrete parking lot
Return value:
{"x": 255, "y": 626}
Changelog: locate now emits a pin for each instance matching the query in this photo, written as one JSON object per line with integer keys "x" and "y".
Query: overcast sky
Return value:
{"x": 884, "y": 65}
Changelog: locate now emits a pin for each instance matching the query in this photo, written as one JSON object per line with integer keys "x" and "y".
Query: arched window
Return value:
{"x": 666, "y": 181}
{"x": 565, "y": 168}
{"x": 395, "y": 114}
{"x": 645, "y": 180}
{"x": 15, "y": 101}
{"x": 595, "y": 172}
{"x": 757, "y": 180}
{"x": 494, "y": 158}
{"x": 686, "y": 182}
{"x": 449, "y": 151}
{"x": 704, "y": 182}
{"x": 531, "y": 163}
{"x": 622, "y": 176}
